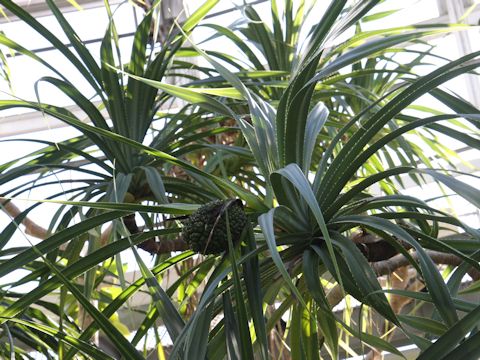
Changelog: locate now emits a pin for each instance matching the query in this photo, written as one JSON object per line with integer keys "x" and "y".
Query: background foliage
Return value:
{"x": 308, "y": 130}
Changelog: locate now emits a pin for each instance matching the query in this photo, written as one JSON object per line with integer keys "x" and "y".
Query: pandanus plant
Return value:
{"x": 307, "y": 147}
{"x": 106, "y": 165}
{"x": 316, "y": 208}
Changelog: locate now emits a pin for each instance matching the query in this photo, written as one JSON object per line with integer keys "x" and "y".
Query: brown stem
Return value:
{"x": 389, "y": 266}
{"x": 164, "y": 246}
{"x": 377, "y": 251}
{"x": 384, "y": 257}
{"x": 374, "y": 248}
{"x": 335, "y": 295}
{"x": 31, "y": 228}
{"x": 152, "y": 245}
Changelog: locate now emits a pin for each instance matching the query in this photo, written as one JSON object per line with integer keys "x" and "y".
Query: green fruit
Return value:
{"x": 206, "y": 229}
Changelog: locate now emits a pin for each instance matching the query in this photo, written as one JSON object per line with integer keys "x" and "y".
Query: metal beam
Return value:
{"x": 34, "y": 121}
{"x": 456, "y": 10}
{"x": 38, "y": 8}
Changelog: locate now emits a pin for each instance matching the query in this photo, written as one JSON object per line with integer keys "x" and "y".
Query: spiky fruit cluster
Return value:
{"x": 206, "y": 229}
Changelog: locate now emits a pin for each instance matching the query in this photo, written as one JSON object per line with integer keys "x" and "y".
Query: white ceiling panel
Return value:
{"x": 39, "y": 8}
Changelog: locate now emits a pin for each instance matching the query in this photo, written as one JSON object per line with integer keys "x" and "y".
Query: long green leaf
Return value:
{"x": 452, "y": 337}
{"x": 326, "y": 320}
{"x": 266, "y": 223}
{"x": 435, "y": 283}
{"x": 83, "y": 346}
{"x": 56, "y": 240}
{"x": 293, "y": 173}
